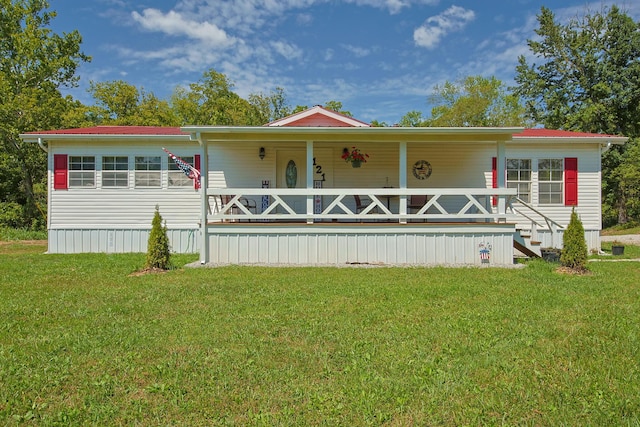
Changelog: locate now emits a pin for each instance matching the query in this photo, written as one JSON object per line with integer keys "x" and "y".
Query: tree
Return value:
{"x": 574, "y": 252}
{"x": 587, "y": 80}
{"x": 473, "y": 101}
{"x": 34, "y": 64}
{"x": 412, "y": 119}
{"x": 120, "y": 103}
{"x": 271, "y": 107}
{"x": 158, "y": 253}
{"x": 211, "y": 101}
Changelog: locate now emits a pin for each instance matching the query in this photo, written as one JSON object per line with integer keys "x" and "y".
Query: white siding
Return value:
{"x": 122, "y": 208}
{"x": 589, "y": 181}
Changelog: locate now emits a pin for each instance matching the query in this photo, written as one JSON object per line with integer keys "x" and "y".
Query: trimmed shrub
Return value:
{"x": 574, "y": 253}
{"x": 158, "y": 253}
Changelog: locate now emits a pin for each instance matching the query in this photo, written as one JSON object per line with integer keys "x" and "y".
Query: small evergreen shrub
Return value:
{"x": 574, "y": 253}
{"x": 158, "y": 253}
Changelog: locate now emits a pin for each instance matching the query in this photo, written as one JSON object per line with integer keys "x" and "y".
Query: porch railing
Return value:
{"x": 338, "y": 204}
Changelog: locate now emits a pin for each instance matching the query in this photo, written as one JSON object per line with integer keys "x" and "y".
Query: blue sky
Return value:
{"x": 380, "y": 58}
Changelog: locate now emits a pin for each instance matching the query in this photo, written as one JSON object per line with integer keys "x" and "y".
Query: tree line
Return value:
{"x": 585, "y": 76}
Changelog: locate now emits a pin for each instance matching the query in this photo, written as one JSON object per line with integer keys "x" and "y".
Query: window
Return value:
{"x": 148, "y": 171}
{"x": 115, "y": 171}
{"x": 82, "y": 171}
{"x": 550, "y": 172}
{"x": 519, "y": 177}
{"x": 177, "y": 177}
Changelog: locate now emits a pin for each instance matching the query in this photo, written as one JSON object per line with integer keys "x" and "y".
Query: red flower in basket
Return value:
{"x": 354, "y": 156}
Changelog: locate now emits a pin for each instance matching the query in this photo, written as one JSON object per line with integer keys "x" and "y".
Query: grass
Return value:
{"x": 616, "y": 230}
{"x": 83, "y": 342}
{"x": 15, "y": 234}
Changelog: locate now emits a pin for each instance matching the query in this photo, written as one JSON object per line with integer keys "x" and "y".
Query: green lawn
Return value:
{"x": 84, "y": 343}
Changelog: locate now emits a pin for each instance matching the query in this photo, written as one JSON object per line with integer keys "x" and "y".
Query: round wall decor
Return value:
{"x": 422, "y": 169}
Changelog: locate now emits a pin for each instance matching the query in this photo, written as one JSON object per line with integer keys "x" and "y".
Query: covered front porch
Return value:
{"x": 332, "y": 213}
{"x": 452, "y": 226}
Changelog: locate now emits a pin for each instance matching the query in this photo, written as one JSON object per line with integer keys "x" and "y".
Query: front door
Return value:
{"x": 291, "y": 166}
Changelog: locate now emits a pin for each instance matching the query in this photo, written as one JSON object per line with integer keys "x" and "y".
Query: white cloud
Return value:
{"x": 287, "y": 50}
{"x": 436, "y": 27}
{"x": 358, "y": 52}
{"x": 394, "y": 6}
{"x": 328, "y": 54}
{"x": 174, "y": 24}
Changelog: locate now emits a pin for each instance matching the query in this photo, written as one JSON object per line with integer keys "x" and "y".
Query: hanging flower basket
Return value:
{"x": 355, "y": 157}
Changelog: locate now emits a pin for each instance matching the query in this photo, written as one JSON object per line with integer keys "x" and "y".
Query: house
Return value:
{"x": 283, "y": 193}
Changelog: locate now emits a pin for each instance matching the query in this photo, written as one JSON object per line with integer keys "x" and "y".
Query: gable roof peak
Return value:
{"x": 318, "y": 116}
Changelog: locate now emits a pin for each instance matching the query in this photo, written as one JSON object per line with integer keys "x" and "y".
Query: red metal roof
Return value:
{"x": 170, "y": 131}
{"x": 115, "y": 130}
{"x": 554, "y": 133}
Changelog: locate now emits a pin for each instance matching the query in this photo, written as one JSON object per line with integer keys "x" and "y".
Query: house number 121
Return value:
{"x": 319, "y": 169}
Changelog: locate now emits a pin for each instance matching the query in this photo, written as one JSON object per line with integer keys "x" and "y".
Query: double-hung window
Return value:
{"x": 115, "y": 171}
{"x": 82, "y": 171}
{"x": 177, "y": 177}
{"x": 148, "y": 171}
{"x": 550, "y": 181}
{"x": 519, "y": 177}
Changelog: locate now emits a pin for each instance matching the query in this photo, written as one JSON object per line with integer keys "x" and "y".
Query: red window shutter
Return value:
{"x": 494, "y": 178}
{"x": 60, "y": 171}
{"x": 571, "y": 181}
{"x": 196, "y": 164}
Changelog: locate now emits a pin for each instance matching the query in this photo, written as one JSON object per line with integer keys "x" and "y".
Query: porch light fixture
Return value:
{"x": 261, "y": 153}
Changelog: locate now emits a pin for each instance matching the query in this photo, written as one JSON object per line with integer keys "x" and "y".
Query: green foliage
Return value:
{"x": 158, "y": 252}
{"x": 473, "y": 101}
{"x": 574, "y": 251}
{"x": 34, "y": 64}
{"x": 271, "y": 107}
{"x": 587, "y": 80}
{"x": 412, "y": 119}
{"x": 16, "y": 234}
{"x": 11, "y": 215}
{"x": 119, "y": 103}
{"x": 211, "y": 101}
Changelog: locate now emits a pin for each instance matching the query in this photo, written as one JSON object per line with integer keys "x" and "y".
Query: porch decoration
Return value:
{"x": 355, "y": 156}
{"x": 421, "y": 169}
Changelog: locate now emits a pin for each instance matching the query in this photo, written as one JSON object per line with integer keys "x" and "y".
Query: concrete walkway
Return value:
{"x": 630, "y": 239}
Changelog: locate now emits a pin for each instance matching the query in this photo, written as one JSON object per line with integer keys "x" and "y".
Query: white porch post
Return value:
{"x": 204, "y": 208}
{"x": 501, "y": 166}
{"x": 402, "y": 179}
{"x": 310, "y": 171}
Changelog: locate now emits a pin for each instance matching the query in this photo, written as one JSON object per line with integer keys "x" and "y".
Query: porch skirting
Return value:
{"x": 478, "y": 244}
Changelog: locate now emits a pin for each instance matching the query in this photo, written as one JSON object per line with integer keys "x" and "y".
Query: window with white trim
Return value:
{"x": 82, "y": 171}
{"x": 115, "y": 171}
{"x": 550, "y": 181}
{"x": 148, "y": 171}
{"x": 177, "y": 177}
{"x": 519, "y": 177}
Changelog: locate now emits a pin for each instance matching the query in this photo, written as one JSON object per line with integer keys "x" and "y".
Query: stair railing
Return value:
{"x": 552, "y": 225}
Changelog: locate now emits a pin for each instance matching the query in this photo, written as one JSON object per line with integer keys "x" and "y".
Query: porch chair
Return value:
{"x": 362, "y": 203}
{"x": 416, "y": 202}
{"x": 250, "y": 204}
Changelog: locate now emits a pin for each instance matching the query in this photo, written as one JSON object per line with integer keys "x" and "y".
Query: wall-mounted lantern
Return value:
{"x": 261, "y": 153}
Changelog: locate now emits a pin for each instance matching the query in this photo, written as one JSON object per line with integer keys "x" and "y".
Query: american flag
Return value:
{"x": 185, "y": 167}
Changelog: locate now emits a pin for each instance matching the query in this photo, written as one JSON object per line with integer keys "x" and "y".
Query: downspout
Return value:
{"x": 46, "y": 150}
{"x": 204, "y": 175}
{"x": 42, "y": 146}
{"x": 603, "y": 149}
